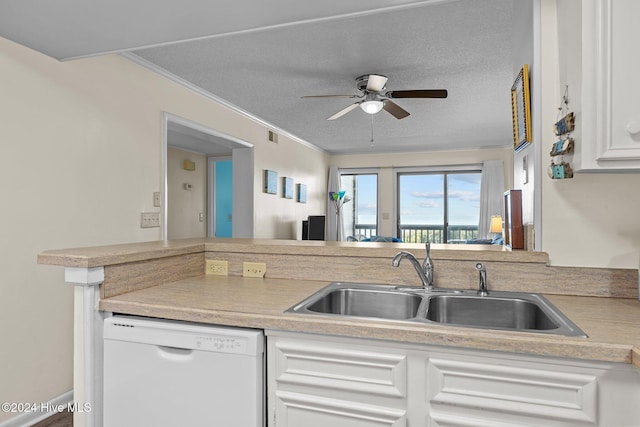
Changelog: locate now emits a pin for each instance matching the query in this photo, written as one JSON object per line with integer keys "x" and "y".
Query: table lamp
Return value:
{"x": 496, "y": 224}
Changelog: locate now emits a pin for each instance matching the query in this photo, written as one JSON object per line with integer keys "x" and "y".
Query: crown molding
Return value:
{"x": 179, "y": 80}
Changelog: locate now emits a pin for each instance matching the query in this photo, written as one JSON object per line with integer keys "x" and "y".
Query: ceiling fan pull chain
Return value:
{"x": 372, "y": 143}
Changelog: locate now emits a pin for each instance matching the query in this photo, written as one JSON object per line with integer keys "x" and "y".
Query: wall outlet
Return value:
{"x": 217, "y": 267}
{"x": 254, "y": 269}
{"x": 149, "y": 219}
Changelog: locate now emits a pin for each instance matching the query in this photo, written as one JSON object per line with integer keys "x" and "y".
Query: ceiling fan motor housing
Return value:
{"x": 361, "y": 82}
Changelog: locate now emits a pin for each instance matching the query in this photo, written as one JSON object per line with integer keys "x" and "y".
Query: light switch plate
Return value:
{"x": 149, "y": 219}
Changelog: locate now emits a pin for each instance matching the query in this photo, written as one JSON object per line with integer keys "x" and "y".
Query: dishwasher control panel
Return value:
{"x": 226, "y": 344}
{"x": 184, "y": 335}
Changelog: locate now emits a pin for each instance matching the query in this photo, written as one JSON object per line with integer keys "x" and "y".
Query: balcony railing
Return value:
{"x": 425, "y": 232}
{"x": 435, "y": 233}
{"x": 365, "y": 230}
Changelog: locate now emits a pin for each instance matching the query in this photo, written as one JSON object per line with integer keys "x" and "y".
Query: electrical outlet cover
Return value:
{"x": 217, "y": 267}
{"x": 254, "y": 269}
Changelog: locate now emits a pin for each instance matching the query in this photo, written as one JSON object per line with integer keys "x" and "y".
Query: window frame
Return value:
{"x": 444, "y": 169}
{"x": 367, "y": 171}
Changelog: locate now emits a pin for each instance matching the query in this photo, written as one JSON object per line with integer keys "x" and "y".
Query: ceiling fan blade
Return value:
{"x": 425, "y": 93}
{"x": 344, "y": 111}
{"x": 395, "y": 110}
{"x": 330, "y": 96}
{"x": 375, "y": 83}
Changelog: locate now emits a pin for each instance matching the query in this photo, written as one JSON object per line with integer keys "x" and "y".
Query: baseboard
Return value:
{"x": 46, "y": 410}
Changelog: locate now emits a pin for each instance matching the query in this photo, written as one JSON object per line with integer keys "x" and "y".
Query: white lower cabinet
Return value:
{"x": 332, "y": 384}
{"x": 326, "y": 381}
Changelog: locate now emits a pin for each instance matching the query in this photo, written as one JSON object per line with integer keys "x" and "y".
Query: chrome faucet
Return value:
{"x": 425, "y": 271}
{"x": 482, "y": 280}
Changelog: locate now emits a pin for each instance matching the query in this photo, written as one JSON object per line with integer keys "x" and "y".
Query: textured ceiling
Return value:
{"x": 462, "y": 46}
{"x": 66, "y": 29}
{"x": 262, "y": 57}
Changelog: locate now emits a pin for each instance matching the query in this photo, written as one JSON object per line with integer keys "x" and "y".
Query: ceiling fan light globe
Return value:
{"x": 371, "y": 107}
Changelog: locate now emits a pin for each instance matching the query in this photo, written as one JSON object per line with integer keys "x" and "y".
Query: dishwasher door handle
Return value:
{"x": 175, "y": 353}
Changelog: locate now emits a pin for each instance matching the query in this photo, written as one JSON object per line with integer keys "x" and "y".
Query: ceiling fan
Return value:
{"x": 372, "y": 100}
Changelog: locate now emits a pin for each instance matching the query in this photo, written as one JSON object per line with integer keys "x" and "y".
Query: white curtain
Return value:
{"x": 334, "y": 227}
{"x": 491, "y": 195}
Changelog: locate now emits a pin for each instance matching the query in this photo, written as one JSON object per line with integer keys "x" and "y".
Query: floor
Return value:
{"x": 61, "y": 419}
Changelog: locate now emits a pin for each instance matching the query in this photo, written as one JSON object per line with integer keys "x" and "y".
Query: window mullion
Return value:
{"x": 446, "y": 210}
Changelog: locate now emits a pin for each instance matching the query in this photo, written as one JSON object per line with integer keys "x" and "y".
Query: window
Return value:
{"x": 360, "y": 215}
{"x": 438, "y": 206}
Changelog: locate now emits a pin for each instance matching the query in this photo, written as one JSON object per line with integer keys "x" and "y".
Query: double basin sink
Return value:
{"x": 516, "y": 311}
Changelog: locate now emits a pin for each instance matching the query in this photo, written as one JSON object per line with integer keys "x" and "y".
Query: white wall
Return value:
{"x": 281, "y": 218}
{"x": 387, "y": 161}
{"x": 81, "y": 154}
{"x": 185, "y": 206}
{"x": 592, "y": 219}
{"x": 523, "y": 40}
{"x": 80, "y": 161}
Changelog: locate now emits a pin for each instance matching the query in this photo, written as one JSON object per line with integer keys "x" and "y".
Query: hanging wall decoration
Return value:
{"x": 563, "y": 128}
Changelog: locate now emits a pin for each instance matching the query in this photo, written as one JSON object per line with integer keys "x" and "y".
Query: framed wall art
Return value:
{"x": 302, "y": 193}
{"x": 270, "y": 182}
{"x": 521, "y": 110}
{"x": 287, "y": 188}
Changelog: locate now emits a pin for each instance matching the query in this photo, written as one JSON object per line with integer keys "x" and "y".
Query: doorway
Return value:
{"x": 189, "y": 196}
{"x": 221, "y": 192}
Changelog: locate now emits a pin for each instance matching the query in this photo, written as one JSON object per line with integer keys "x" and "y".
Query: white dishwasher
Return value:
{"x": 170, "y": 373}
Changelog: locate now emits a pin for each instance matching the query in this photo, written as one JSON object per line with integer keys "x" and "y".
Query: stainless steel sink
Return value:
{"x": 489, "y": 312}
{"x": 368, "y": 303}
{"x": 517, "y": 311}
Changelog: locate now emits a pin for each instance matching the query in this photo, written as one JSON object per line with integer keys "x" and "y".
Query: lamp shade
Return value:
{"x": 496, "y": 224}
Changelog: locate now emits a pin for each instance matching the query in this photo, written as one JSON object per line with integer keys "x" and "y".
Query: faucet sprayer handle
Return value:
{"x": 482, "y": 280}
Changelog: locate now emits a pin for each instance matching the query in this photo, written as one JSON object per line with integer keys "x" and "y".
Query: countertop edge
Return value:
{"x": 130, "y": 252}
{"x": 117, "y": 254}
{"x": 502, "y": 341}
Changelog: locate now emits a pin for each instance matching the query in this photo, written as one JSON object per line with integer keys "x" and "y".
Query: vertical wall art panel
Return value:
{"x": 270, "y": 181}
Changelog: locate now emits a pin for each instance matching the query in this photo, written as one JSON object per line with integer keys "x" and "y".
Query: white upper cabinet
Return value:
{"x": 599, "y": 45}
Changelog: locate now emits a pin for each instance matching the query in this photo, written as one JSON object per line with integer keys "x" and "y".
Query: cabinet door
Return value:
{"x": 513, "y": 228}
{"x": 623, "y": 36}
{"x": 490, "y": 392}
{"x": 609, "y": 135}
{"x": 319, "y": 382}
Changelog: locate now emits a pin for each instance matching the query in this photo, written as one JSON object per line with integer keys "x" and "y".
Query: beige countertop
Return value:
{"x": 611, "y": 323}
{"x": 132, "y": 252}
{"x": 152, "y": 279}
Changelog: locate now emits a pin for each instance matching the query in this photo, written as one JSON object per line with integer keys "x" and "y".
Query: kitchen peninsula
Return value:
{"x": 166, "y": 280}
